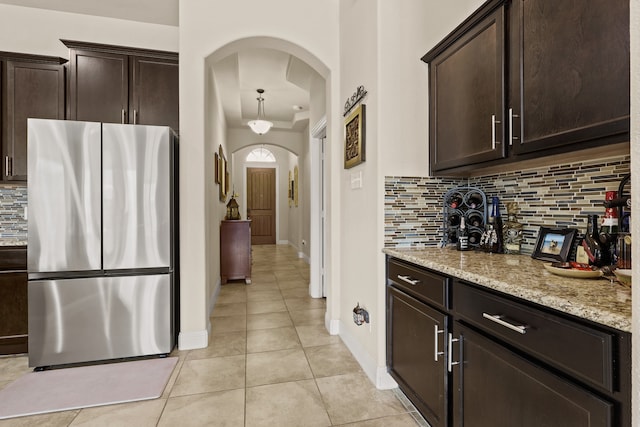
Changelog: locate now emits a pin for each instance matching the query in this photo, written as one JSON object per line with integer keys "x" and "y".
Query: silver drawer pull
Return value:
{"x": 409, "y": 280}
{"x": 436, "y": 353}
{"x": 493, "y": 131}
{"x": 497, "y": 318}
{"x": 450, "y": 362}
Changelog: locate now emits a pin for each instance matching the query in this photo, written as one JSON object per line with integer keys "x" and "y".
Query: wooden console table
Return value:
{"x": 235, "y": 250}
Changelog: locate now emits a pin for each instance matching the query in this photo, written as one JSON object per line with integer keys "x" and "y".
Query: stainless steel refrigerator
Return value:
{"x": 101, "y": 248}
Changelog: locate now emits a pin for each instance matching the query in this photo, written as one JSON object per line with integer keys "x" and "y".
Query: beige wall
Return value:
{"x": 211, "y": 30}
{"x": 38, "y": 31}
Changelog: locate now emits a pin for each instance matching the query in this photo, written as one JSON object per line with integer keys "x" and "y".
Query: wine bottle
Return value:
{"x": 474, "y": 238}
{"x": 475, "y": 219}
{"x": 455, "y": 201}
{"x": 610, "y": 219}
{"x": 463, "y": 237}
{"x": 496, "y": 241}
{"x": 473, "y": 200}
{"x": 597, "y": 253}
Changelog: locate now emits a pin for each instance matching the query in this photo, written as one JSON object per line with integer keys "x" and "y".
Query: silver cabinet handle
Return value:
{"x": 135, "y": 117}
{"x": 498, "y": 318}
{"x": 436, "y": 332}
{"x": 493, "y": 131}
{"x": 6, "y": 166}
{"x": 124, "y": 116}
{"x": 409, "y": 280}
{"x": 450, "y": 362}
{"x": 511, "y": 116}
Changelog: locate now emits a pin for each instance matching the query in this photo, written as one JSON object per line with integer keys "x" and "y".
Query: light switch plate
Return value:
{"x": 356, "y": 180}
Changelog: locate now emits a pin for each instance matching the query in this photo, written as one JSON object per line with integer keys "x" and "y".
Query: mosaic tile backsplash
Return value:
{"x": 13, "y": 199}
{"x": 557, "y": 196}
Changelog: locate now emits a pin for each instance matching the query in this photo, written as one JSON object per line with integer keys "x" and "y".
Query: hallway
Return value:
{"x": 270, "y": 362}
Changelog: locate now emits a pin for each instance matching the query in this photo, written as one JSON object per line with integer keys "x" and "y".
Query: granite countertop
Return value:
{"x": 597, "y": 300}
{"x": 13, "y": 241}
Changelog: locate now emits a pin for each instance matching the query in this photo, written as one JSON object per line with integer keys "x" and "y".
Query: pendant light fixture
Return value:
{"x": 260, "y": 125}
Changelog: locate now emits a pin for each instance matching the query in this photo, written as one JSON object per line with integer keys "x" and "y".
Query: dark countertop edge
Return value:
{"x": 594, "y": 314}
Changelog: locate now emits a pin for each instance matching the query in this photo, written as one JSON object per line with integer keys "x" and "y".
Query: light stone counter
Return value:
{"x": 597, "y": 300}
{"x": 13, "y": 241}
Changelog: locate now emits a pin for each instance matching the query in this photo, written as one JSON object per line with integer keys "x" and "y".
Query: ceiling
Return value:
{"x": 152, "y": 11}
{"x": 285, "y": 79}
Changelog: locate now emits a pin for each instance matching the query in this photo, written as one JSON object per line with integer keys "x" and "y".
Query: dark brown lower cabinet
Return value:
{"x": 495, "y": 387}
{"x": 416, "y": 354}
{"x": 468, "y": 356}
{"x": 13, "y": 312}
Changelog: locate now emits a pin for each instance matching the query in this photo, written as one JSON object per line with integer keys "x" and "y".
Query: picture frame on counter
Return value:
{"x": 354, "y": 137}
{"x": 554, "y": 244}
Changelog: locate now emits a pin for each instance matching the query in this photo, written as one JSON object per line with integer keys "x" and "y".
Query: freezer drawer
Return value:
{"x": 90, "y": 319}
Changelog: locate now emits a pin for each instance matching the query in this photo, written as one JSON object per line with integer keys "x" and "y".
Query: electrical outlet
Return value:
{"x": 360, "y": 315}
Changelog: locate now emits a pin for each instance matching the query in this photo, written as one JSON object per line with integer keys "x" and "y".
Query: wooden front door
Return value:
{"x": 261, "y": 205}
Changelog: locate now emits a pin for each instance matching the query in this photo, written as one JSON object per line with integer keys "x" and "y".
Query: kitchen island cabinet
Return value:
{"x": 115, "y": 84}
{"x": 520, "y": 80}
{"x": 522, "y": 347}
{"x": 32, "y": 86}
{"x": 13, "y": 300}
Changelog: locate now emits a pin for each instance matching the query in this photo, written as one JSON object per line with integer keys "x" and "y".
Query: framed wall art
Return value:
{"x": 554, "y": 244}
{"x": 223, "y": 175}
{"x": 354, "y": 137}
{"x": 216, "y": 163}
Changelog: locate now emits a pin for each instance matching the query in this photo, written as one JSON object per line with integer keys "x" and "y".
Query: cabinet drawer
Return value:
{"x": 13, "y": 258}
{"x": 419, "y": 282}
{"x": 582, "y": 351}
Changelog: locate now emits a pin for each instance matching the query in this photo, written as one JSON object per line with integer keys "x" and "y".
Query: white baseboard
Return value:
{"x": 214, "y": 297}
{"x": 333, "y": 326}
{"x": 283, "y": 242}
{"x": 304, "y": 257}
{"x": 377, "y": 374}
{"x": 193, "y": 340}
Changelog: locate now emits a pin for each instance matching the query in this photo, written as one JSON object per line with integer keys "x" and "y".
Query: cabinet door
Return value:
{"x": 569, "y": 73}
{"x": 495, "y": 387}
{"x": 154, "y": 92}
{"x": 13, "y": 313}
{"x": 98, "y": 89}
{"x": 415, "y": 355}
{"x": 467, "y": 97}
{"x": 32, "y": 90}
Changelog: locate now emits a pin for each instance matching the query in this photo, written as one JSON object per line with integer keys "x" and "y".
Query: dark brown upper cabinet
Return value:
{"x": 467, "y": 95}
{"x": 117, "y": 84}
{"x": 32, "y": 87}
{"x": 569, "y": 73}
{"x": 555, "y": 75}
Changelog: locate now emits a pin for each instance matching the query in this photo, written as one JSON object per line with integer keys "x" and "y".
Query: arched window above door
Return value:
{"x": 261, "y": 155}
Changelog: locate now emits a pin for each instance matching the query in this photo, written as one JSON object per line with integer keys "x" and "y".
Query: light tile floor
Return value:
{"x": 270, "y": 362}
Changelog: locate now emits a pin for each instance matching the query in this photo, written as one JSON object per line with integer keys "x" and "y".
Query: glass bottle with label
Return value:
{"x": 609, "y": 228}
{"x": 512, "y": 230}
{"x": 463, "y": 237}
{"x": 495, "y": 242}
